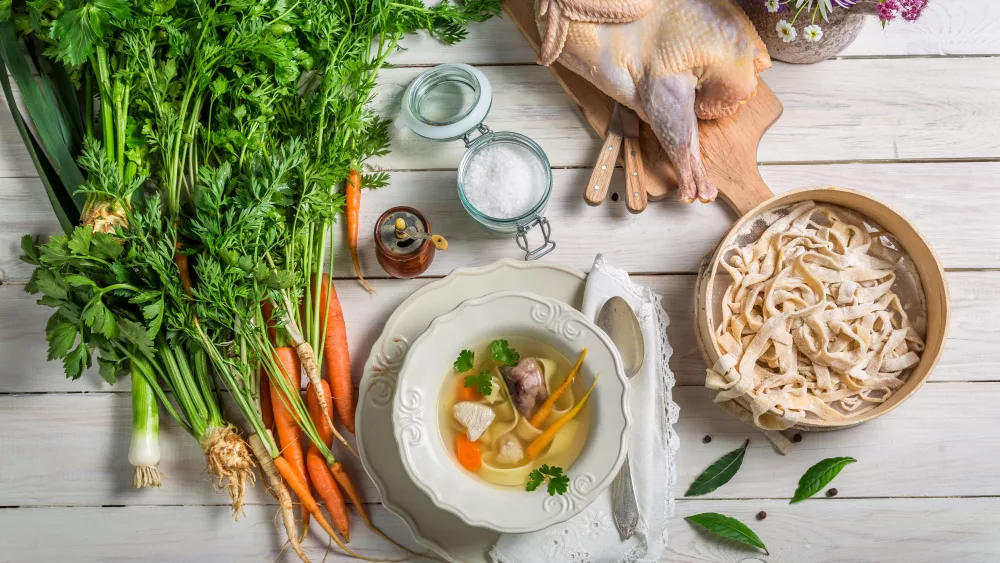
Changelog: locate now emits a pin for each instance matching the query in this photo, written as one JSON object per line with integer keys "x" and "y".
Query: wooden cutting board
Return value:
{"x": 728, "y": 145}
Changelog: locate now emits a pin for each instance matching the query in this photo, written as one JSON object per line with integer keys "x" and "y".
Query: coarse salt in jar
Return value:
{"x": 504, "y": 178}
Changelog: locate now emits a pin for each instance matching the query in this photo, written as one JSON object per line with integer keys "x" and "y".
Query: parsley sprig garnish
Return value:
{"x": 483, "y": 382}
{"x": 501, "y": 351}
{"x": 558, "y": 482}
{"x": 465, "y": 360}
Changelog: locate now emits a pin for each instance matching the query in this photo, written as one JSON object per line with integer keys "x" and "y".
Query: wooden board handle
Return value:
{"x": 635, "y": 199}
{"x": 600, "y": 180}
{"x": 729, "y": 150}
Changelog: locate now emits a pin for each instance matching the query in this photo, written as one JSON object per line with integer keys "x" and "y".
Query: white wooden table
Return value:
{"x": 910, "y": 115}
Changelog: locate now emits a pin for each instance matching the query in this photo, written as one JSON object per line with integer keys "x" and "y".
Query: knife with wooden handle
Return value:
{"x": 635, "y": 195}
{"x": 600, "y": 180}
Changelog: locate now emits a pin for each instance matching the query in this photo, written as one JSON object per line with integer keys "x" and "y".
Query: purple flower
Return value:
{"x": 888, "y": 10}
{"x": 912, "y": 9}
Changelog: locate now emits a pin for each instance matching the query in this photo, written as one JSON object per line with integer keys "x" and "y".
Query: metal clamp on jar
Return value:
{"x": 504, "y": 178}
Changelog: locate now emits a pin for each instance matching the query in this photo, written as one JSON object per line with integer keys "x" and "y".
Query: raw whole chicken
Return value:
{"x": 671, "y": 61}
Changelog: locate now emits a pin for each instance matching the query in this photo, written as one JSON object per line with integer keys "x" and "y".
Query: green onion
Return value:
{"x": 144, "y": 453}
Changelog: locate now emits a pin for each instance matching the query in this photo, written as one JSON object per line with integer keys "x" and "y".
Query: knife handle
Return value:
{"x": 597, "y": 187}
{"x": 635, "y": 196}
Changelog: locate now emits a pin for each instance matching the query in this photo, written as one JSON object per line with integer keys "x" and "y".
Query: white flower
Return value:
{"x": 772, "y": 6}
{"x": 825, "y": 7}
{"x": 812, "y": 33}
{"x": 786, "y": 31}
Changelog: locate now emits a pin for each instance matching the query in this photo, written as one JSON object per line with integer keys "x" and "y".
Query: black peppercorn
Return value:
{"x": 797, "y": 438}
{"x": 761, "y": 515}
{"x": 831, "y": 493}
{"x": 706, "y": 439}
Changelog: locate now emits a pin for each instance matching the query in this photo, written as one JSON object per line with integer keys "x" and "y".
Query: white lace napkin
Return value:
{"x": 591, "y": 536}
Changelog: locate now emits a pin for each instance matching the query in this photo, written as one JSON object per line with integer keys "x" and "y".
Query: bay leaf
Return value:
{"x": 719, "y": 473}
{"x": 819, "y": 476}
{"x": 727, "y": 527}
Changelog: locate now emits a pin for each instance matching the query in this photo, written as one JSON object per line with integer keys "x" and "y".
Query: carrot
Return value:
{"x": 546, "y": 408}
{"x": 266, "y": 408}
{"x": 289, "y": 437}
{"x": 353, "y": 189}
{"x": 344, "y": 480}
{"x": 467, "y": 393}
{"x": 181, "y": 260}
{"x": 267, "y": 311}
{"x": 468, "y": 453}
{"x": 322, "y": 480}
{"x": 336, "y": 354}
{"x": 316, "y": 412}
{"x": 536, "y": 447}
{"x": 309, "y": 502}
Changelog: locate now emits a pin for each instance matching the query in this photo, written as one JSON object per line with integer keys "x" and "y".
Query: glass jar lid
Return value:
{"x": 446, "y": 102}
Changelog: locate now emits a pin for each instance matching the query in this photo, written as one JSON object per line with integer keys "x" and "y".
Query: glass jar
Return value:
{"x": 450, "y": 102}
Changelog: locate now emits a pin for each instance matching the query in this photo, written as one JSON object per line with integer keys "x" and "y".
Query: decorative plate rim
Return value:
{"x": 582, "y": 499}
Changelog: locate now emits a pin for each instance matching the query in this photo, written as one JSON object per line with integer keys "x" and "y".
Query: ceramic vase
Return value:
{"x": 839, "y": 32}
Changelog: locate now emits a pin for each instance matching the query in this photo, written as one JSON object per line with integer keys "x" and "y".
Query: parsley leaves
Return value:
{"x": 465, "y": 361}
{"x": 501, "y": 351}
{"x": 482, "y": 382}
{"x": 558, "y": 482}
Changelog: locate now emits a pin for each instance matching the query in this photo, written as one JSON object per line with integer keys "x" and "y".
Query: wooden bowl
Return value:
{"x": 928, "y": 267}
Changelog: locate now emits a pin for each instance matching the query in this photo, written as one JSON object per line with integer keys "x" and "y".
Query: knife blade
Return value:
{"x": 600, "y": 179}
{"x": 635, "y": 197}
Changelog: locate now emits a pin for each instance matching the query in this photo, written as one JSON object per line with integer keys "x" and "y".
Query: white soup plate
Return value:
{"x": 417, "y": 418}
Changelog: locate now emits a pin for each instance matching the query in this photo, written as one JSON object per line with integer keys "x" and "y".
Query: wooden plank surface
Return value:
{"x": 668, "y": 237}
{"x": 971, "y": 353}
{"x": 944, "y": 109}
{"x": 92, "y": 430}
{"x": 821, "y": 531}
{"x": 908, "y": 115}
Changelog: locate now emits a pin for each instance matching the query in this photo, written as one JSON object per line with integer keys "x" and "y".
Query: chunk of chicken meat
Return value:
{"x": 509, "y": 450}
{"x": 475, "y": 417}
{"x": 672, "y": 61}
{"x": 526, "y": 383}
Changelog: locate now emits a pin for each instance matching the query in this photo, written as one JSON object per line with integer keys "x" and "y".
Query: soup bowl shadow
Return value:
{"x": 416, "y": 417}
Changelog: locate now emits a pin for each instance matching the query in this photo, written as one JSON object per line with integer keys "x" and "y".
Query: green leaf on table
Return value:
{"x": 61, "y": 337}
{"x": 98, "y": 317}
{"x": 153, "y": 313}
{"x": 75, "y": 362}
{"x": 82, "y": 27}
{"x": 465, "y": 360}
{"x": 501, "y": 351}
{"x": 77, "y": 281}
{"x": 29, "y": 249}
{"x": 819, "y": 476}
{"x": 719, "y": 473}
{"x": 483, "y": 382}
{"x": 136, "y": 334}
{"x": 49, "y": 284}
{"x": 106, "y": 246}
{"x": 727, "y": 527}
{"x": 79, "y": 242}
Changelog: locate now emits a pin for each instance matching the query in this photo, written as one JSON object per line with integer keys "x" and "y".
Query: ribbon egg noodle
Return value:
{"x": 823, "y": 319}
